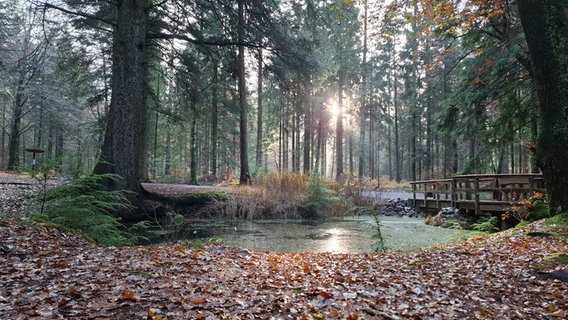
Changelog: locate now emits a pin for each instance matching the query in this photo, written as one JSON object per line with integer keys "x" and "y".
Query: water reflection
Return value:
{"x": 334, "y": 243}
{"x": 352, "y": 235}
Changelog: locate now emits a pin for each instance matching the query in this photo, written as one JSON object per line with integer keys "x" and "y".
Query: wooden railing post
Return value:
{"x": 414, "y": 195}
{"x": 476, "y": 195}
{"x": 453, "y": 195}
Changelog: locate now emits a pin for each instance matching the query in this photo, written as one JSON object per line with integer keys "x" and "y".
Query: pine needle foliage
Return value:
{"x": 319, "y": 197}
{"x": 84, "y": 204}
{"x": 487, "y": 224}
{"x": 379, "y": 245}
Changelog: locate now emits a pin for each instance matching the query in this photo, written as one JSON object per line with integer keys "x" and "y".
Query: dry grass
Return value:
{"x": 386, "y": 184}
{"x": 282, "y": 195}
{"x": 272, "y": 195}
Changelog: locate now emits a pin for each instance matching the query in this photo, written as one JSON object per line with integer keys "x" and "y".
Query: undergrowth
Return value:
{"x": 487, "y": 224}
{"x": 294, "y": 195}
{"x": 84, "y": 204}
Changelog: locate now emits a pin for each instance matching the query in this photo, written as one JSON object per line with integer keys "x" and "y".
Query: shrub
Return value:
{"x": 539, "y": 210}
{"x": 319, "y": 196}
{"x": 487, "y": 224}
{"x": 532, "y": 209}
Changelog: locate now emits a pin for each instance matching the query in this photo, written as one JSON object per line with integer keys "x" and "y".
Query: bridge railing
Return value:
{"x": 479, "y": 193}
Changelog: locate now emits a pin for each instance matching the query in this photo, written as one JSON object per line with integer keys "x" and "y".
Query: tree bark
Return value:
{"x": 193, "y": 147}
{"x": 243, "y": 132}
{"x": 545, "y": 23}
{"x": 214, "y": 121}
{"x": 397, "y": 157}
{"x": 339, "y": 130}
{"x": 15, "y": 133}
{"x": 307, "y": 134}
{"x": 259, "y": 133}
{"x": 125, "y": 132}
{"x": 363, "y": 99}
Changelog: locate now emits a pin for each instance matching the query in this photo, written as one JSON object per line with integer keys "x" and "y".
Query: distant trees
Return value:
{"x": 461, "y": 85}
{"x": 46, "y": 87}
{"x": 332, "y": 87}
{"x": 23, "y": 61}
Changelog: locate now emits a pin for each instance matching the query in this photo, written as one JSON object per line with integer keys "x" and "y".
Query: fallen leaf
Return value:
{"x": 198, "y": 300}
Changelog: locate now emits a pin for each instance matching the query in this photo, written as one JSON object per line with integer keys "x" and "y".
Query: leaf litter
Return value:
{"x": 46, "y": 273}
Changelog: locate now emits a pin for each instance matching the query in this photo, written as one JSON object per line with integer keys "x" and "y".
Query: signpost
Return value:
{"x": 34, "y": 151}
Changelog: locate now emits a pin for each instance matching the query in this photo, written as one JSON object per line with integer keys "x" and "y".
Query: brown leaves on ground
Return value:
{"x": 16, "y": 190}
{"x": 178, "y": 190}
{"x": 48, "y": 274}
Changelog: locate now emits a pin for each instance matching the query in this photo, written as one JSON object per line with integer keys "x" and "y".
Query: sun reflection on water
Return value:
{"x": 334, "y": 243}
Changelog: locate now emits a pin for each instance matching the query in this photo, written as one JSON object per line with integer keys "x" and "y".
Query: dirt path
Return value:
{"x": 386, "y": 195}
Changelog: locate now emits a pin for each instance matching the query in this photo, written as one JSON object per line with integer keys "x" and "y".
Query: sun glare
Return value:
{"x": 333, "y": 108}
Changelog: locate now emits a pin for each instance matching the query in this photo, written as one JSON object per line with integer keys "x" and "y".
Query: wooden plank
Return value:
{"x": 505, "y": 181}
{"x": 484, "y": 192}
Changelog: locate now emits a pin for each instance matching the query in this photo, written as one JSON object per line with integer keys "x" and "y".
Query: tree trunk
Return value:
{"x": 546, "y": 30}
{"x": 339, "y": 130}
{"x": 168, "y": 153}
{"x": 307, "y": 135}
{"x": 350, "y": 146}
{"x": 397, "y": 157}
{"x": 193, "y": 147}
{"x": 318, "y": 146}
{"x": 243, "y": 122}
{"x": 214, "y": 121}
{"x": 14, "y": 137}
{"x": 363, "y": 100}
{"x": 259, "y": 133}
{"x": 125, "y": 132}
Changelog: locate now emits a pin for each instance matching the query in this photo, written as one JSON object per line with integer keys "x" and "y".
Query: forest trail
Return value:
{"x": 386, "y": 195}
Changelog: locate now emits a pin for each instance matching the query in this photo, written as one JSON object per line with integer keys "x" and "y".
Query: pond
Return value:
{"x": 349, "y": 235}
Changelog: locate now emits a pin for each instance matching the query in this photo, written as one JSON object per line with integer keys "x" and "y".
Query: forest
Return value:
{"x": 221, "y": 90}
{"x": 104, "y": 101}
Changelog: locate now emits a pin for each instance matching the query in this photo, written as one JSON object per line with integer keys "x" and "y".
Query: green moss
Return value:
{"x": 216, "y": 195}
{"x": 522, "y": 224}
{"x": 41, "y": 218}
{"x": 556, "y": 259}
{"x": 558, "y": 221}
{"x": 206, "y": 196}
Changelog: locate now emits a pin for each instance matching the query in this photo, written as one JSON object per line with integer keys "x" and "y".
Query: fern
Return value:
{"x": 84, "y": 204}
{"x": 487, "y": 224}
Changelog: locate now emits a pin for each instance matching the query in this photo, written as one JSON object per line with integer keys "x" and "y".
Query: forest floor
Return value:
{"x": 46, "y": 273}
{"x": 50, "y": 274}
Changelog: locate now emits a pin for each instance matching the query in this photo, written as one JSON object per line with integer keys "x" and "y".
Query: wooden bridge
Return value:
{"x": 476, "y": 193}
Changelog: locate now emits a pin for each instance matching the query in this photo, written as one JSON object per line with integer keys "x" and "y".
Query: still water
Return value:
{"x": 349, "y": 235}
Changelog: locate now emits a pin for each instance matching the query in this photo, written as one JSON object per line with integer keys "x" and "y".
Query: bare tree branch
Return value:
{"x": 76, "y": 13}
{"x": 219, "y": 43}
{"x": 156, "y": 5}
